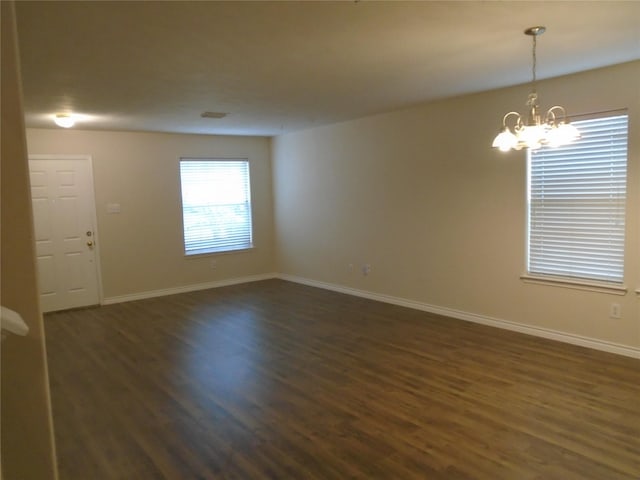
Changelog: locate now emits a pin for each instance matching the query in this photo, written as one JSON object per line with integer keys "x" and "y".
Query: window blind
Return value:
{"x": 577, "y": 197}
{"x": 216, "y": 205}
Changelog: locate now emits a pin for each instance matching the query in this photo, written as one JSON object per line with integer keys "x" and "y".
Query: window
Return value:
{"x": 216, "y": 205}
{"x": 577, "y": 196}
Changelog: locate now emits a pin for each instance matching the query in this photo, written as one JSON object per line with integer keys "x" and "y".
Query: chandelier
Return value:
{"x": 534, "y": 131}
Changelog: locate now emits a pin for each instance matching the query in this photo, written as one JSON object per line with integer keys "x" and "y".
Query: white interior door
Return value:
{"x": 64, "y": 213}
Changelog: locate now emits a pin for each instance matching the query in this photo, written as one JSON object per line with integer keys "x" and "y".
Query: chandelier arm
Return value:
{"x": 552, "y": 116}
{"x": 518, "y": 121}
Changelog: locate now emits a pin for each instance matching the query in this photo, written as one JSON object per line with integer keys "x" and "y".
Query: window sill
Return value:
{"x": 218, "y": 252}
{"x": 575, "y": 284}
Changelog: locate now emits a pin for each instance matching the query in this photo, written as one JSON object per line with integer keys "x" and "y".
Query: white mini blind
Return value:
{"x": 216, "y": 205}
{"x": 577, "y": 197}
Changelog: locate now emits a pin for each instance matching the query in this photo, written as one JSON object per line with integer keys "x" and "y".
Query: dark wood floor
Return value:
{"x": 274, "y": 380}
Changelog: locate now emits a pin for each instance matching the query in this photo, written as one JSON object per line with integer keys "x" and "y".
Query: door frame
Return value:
{"x": 92, "y": 208}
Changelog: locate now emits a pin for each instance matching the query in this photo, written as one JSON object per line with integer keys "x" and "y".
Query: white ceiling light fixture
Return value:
{"x": 554, "y": 131}
{"x": 64, "y": 120}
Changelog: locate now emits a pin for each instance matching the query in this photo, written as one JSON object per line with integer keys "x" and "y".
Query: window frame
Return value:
{"x": 208, "y": 251}
{"x": 569, "y": 281}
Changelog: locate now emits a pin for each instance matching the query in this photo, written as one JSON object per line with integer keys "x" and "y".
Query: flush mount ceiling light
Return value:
{"x": 64, "y": 120}
{"x": 554, "y": 130}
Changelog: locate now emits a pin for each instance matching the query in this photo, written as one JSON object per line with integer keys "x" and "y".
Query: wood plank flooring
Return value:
{"x": 274, "y": 380}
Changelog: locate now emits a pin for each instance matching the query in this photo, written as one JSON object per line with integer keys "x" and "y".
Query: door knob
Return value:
{"x": 89, "y": 244}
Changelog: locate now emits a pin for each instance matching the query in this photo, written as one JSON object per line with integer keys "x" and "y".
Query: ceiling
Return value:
{"x": 277, "y": 67}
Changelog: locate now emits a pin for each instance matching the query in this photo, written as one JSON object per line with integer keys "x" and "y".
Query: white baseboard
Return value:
{"x": 473, "y": 317}
{"x": 187, "y": 288}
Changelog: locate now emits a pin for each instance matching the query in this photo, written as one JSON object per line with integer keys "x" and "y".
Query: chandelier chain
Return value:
{"x": 535, "y": 61}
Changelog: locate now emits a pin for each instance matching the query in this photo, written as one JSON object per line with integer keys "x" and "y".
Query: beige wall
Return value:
{"x": 27, "y": 434}
{"x": 141, "y": 248}
{"x": 440, "y": 215}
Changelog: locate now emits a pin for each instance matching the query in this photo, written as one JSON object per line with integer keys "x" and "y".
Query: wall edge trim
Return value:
{"x": 547, "y": 333}
{"x": 187, "y": 288}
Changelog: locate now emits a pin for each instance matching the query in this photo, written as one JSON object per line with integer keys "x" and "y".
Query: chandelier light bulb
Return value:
{"x": 505, "y": 140}
{"x": 531, "y": 136}
{"x": 556, "y": 137}
{"x": 569, "y": 132}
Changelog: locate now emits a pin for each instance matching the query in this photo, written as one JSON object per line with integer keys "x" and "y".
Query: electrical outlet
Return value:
{"x": 366, "y": 269}
{"x": 615, "y": 311}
